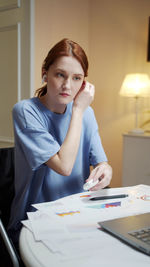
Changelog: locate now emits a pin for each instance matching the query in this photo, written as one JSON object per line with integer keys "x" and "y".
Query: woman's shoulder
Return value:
{"x": 25, "y": 104}
{"x": 89, "y": 119}
{"x": 89, "y": 112}
{"x": 28, "y": 114}
{"x": 27, "y": 110}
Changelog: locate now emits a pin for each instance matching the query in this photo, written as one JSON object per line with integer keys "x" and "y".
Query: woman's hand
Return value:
{"x": 85, "y": 96}
{"x": 102, "y": 172}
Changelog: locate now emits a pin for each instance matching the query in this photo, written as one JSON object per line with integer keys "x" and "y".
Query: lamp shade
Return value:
{"x": 136, "y": 85}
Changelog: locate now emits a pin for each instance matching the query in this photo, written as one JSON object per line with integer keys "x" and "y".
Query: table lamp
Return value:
{"x": 136, "y": 85}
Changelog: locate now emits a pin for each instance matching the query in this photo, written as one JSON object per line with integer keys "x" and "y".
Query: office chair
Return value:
{"x": 8, "y": 255}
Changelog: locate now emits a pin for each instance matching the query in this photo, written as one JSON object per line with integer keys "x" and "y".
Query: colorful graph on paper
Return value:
{"x": 85, "y": 196}
{"x": 105, "y": 205}
{"x": 62, "y": 214}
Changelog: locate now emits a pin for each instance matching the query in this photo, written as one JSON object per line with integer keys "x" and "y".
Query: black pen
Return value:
{"x": 109, "y": 197}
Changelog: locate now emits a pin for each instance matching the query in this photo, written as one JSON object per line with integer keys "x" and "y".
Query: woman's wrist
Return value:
{"x": 78, "y": 111}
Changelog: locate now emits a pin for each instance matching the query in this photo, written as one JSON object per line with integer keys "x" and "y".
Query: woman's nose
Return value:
{"x": 67, "y": 84}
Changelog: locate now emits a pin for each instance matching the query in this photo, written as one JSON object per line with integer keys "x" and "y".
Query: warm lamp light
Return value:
{"x": 136, "y": 85}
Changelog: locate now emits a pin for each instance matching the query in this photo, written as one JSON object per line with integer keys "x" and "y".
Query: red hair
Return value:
{"x": 65, "y": 47}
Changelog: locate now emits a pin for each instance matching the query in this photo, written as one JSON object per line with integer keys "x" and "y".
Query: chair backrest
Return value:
{"x": 6, "y": 182}
{"x": 8, "y": 254}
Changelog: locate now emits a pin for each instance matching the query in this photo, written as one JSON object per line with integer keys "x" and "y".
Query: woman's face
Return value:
{"x": 64, "y": 79}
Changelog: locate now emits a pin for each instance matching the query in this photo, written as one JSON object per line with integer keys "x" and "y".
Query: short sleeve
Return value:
{"x": 33, "y": 137}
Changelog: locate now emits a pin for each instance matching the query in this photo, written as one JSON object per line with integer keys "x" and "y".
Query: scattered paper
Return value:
{"x": 70, "y": 229}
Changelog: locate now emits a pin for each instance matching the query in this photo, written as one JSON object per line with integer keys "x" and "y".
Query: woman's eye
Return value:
{"x": 76, "y": 78}
{"x": 60, "y": 75}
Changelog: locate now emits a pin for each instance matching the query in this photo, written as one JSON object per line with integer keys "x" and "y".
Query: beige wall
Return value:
{"x": 55, "y": 20}
{"x": 14, "y": 62}
{"x": 114, "y": 36}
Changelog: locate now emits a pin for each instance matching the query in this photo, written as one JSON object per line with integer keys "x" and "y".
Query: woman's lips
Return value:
{"x": 64, "y": 94}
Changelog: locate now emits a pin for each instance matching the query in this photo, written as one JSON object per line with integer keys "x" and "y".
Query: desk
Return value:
{"x": 109, "y": 251}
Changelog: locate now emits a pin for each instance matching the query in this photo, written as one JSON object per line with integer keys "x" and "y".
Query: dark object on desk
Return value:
{"x": 108, "y": 197}
{"x": 134, "y": 230}
{"x": 8, "y": 254}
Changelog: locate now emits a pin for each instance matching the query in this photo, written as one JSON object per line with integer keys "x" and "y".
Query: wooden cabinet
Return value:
{"x": 136, "y": 159}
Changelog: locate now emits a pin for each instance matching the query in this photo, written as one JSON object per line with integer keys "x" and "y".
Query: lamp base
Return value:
{"x": 137, "y": 131}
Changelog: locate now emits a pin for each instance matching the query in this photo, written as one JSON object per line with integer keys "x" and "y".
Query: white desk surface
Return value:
{"x": 35, "y": 254}
{"x": 109, "y": 252}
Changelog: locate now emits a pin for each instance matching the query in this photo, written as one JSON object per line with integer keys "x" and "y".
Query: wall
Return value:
{"x": 119, "y": 29}
{"x": 14, "y": 62}
{"x": 55, "y": 20}
{"x": 114, "y": 36}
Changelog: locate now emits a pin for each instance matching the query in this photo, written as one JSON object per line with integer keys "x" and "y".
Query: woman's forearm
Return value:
{"x": 64, "y": 160}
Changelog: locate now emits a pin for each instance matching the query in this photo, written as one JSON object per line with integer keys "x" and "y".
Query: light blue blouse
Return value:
{"x": 39, "y": 134}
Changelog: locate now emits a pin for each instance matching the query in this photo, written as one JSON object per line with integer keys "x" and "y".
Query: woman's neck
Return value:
{"x": 58, "y": 109}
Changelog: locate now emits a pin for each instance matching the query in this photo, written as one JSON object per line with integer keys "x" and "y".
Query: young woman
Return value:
{"x": 56, "y": 135}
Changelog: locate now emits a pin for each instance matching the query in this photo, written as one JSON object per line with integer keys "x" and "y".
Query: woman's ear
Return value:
{"x": 44, "y": 79}
{"x": 44, "y": 75}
